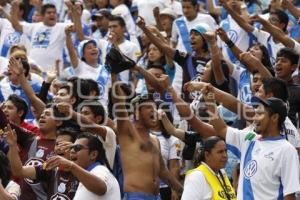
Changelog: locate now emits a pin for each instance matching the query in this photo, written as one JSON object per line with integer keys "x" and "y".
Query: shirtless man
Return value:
{"x": 141, "y": 157}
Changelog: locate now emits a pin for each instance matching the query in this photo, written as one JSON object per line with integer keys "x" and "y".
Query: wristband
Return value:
{"x": 230, "y": 44}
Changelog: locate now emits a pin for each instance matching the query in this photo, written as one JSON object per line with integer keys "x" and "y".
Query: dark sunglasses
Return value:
{"x": 78, "y": 147}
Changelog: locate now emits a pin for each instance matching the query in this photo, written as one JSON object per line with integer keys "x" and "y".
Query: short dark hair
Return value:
{"x": 96, "y": 108}
{"x": 156, "y": 66}
{"x": 93, "y": 86}
{"x": 277, "y": 87}
{"x": 282, "y": 16}
{"x": 20, "y": 104}
{"x": 45, "y": 7}
{"x": 119, "y": 19}
{"x": 70, "y": 131}
{"x": 193, "y": 2}
{"x": 289, "y": 54}
{"x": 95, "y": 144}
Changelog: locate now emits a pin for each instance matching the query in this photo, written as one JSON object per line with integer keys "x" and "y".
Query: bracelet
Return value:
{"x": 230, "y": 44}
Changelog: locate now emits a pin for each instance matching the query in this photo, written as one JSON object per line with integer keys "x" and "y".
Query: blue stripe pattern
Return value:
{"x": 247, "y": 188}
{"x": 234, "y": 150}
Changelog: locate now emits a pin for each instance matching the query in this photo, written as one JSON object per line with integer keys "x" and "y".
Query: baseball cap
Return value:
{"x": 200, "y": 28}
{"x": 100, "y": 13}
{"x": 169, "y": 12}
{"x": 82, "y": 44}
{"x": 275, "y": 104}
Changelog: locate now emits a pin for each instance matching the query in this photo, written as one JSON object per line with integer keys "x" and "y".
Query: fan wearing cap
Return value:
{"x": 193, "y": 64}
{"x": 267, "y": 171}
{"x": 87, "y": 64}
{"x": 166, "y": 18}
{"x": 183, "y": 25}
{"x": 101, "y": 19}
{"x": 141, "y": 157}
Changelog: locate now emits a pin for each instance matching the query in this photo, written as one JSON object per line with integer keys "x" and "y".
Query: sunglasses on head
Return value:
{"x": 78, "y": 147}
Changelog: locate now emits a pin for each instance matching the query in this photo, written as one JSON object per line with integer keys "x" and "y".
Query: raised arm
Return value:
{"x": 204, "y": 129}
{"x": 164, "y": 47}
{"x": 84, "y": 121}
{"x": 237, "y": 17}
{"x": 13, "y": 155}
{"x": 157, "y": 18}
{"x": 287, "y": 4}
{"x": 14, "y": 16}
{"x": 150, "y": 78}
{"x": 170, "y": 127}
{"x": 227, "y": 100}
{"x": 216, "y": 57}
{"x": 276, "y": 32}
{"x": 214, "y": 118}
{"x": 16, "y": 67}
{"x": 212, "y": 8}
{"x": 76, "y": 16}
{"x": 69, "y": 43}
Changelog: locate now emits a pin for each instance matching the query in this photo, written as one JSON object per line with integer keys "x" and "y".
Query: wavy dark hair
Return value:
{"x": 265, "y": 57}
{"x": 5, "y": 173}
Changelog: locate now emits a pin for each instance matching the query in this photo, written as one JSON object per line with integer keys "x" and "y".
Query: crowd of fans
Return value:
{"x": 149, "y": 99}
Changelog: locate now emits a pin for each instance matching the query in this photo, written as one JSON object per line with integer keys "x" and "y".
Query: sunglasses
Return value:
{"x": 78, "y": 147}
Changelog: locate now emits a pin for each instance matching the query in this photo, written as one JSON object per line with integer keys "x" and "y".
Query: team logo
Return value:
{"x": 33, "y": 162}
{"x": 61, "y": 188}
{"x": 40, "y": 153}
{"x": 42, "y": 39}
{"x": 250, "y": 169}
{"x": 232, "y": 34}
{"x": 13, "y": 38}
{"x": 59, "y": 196}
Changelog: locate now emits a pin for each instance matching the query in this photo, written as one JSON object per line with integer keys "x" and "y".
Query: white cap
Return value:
{"x": 169, "y": 12}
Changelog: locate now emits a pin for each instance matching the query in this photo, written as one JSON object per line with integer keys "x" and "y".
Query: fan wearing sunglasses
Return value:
{"x": 87, "y": 165}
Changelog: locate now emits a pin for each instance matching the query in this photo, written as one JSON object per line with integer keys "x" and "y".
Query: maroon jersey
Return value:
{"x": 61, "y": 185}
{"x": 40, "y": 150}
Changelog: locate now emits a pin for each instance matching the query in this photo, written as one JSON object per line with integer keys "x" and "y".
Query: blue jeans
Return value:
{"x": 140, "y": 196}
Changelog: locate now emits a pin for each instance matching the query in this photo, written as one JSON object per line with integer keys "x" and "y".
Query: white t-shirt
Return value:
{"x": 3, "y": 64}
{"x": 145, "y": 9}
{"x": 291, "y": 131}
{"x": 269, "y": 167}
{"x": 13, "y": 189}
{"x": 236, "y": 34}
{"x": 297, "y": 47}
{"x": 10, "y": 37}
{"x": 242, "y": 77}
{"x": 170, "y": 149}
{"x": 196, "y": 187}
{"x": 266, "y": 39}
{"x": 200, "y": 19}
{"x": 110, "y": 145}
{"x": 98, "y": 74}
{"x": 113, "y": 190}
{"x": 132, "y": 51}
{"x": 47, "y": 43}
